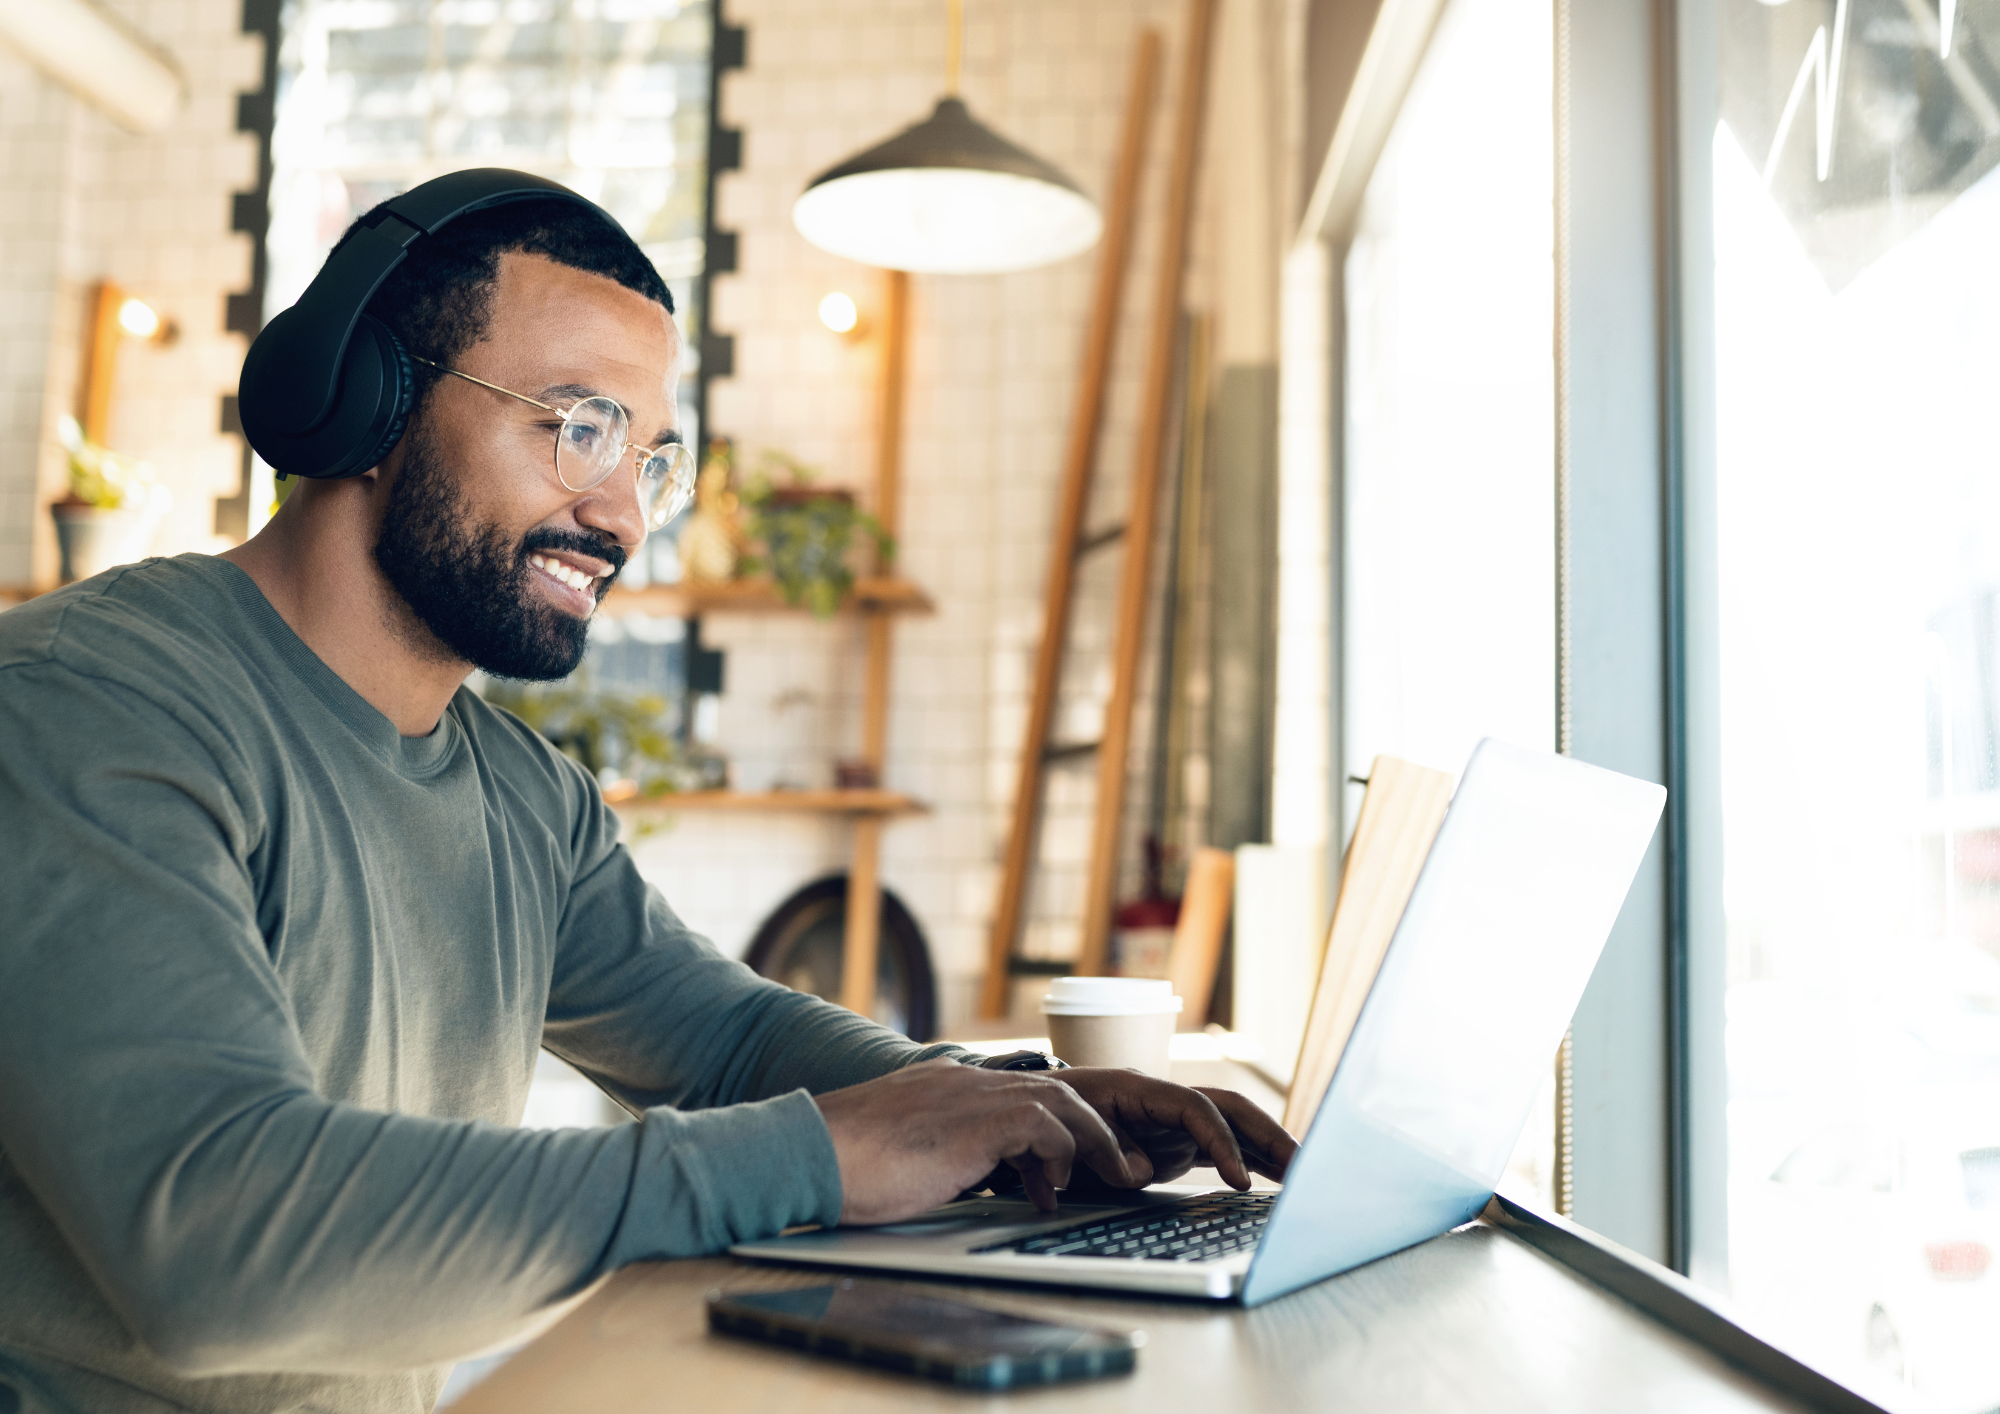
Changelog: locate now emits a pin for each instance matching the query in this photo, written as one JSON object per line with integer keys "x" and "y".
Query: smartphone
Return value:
{"x": 874, "y": 1323}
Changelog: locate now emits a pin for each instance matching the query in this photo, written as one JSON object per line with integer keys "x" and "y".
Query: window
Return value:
{"x": 1449, "y": 466}
{"x": 1857, "y": 353}
{"x": 609, "y": 97}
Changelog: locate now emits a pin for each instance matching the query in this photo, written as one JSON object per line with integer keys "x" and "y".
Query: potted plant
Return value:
{"x": 805, "y": 532}
{"x": 112, "y": 507}
{"x": 622, "y": 738}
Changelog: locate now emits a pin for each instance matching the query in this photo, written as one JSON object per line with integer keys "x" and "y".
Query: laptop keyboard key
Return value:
{"x": 1200, "y": 1230}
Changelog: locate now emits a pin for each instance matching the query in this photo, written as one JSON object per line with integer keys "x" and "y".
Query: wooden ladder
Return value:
{"x": 1112, "y": 748}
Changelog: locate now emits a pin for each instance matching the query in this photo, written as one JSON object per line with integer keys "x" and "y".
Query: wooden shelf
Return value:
{"x": 883, "y": 595}
{"x": 779, "y": 802}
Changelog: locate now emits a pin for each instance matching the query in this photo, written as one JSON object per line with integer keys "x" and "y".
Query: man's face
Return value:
{"x": 479, "y": 536}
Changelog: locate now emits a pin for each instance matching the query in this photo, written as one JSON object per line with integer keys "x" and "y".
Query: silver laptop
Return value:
{"x": 1508, "y": 917}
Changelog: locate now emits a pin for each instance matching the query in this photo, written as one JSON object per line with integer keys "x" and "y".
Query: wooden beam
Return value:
{"x": 875, "y": 693}
{"x": 100, "y": 363}
{"x": 862, "y": 939}
{"x": 864, "y": 917}
{"x": 1079, "y": 461}
{"x": 1137, "y": 569}
{"x": 889, "y": 439}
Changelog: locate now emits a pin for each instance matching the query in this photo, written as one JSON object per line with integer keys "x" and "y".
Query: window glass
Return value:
{"x": 1449, "y": 462}
{"x": 1857, "y": 220}
{"x": 609, "y": 97}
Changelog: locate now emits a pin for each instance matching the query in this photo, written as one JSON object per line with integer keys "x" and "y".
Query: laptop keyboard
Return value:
{"x": 1195, "y": 1231}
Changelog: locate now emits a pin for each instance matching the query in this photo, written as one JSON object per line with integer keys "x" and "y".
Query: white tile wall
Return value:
{"x": 81, "y": 200}
{"x": 993, "y": 361}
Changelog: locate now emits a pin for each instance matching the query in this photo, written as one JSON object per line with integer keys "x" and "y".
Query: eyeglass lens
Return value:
{"x": 666, "y": 484}
{"x": 592, "y": 445}
{"x": 593, "y": 437}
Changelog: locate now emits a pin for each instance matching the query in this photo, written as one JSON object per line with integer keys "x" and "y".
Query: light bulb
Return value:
{"x": 138, "y": 319}
{"x": 838, "y": 313}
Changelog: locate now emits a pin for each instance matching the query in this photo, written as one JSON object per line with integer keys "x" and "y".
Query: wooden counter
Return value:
{"x": 1514, "y": 1312}
{"x": 1474, "y": 1320}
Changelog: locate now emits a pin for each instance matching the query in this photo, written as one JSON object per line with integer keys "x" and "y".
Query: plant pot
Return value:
{"x": 93, "y": 539}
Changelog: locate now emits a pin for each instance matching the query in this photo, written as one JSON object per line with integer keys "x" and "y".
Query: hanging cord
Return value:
{"x": 954, "y": 43}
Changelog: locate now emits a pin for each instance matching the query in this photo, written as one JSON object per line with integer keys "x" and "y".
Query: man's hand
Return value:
{"x": 919, "y": 1136}
{"x": 1177, "y": 1127}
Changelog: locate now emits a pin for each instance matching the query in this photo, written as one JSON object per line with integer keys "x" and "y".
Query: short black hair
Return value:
{"x": 439, "y": 301}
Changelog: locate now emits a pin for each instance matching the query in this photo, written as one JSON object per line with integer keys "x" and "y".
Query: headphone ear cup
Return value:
{"x": 399, "y": 394}
{"x": 371, "y": 407}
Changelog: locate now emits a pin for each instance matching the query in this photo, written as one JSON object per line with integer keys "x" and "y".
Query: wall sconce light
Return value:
{"x": 142, "y": 321}
{"x": 838, "y": 312}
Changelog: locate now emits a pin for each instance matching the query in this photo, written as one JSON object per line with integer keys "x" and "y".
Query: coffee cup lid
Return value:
{"x": 1109, "y": 996}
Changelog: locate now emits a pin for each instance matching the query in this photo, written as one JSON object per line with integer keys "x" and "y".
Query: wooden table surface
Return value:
{"x": 1475, "y": 1319}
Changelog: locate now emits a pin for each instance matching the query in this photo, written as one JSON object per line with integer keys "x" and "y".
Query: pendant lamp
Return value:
{"x": 948, "y": 196}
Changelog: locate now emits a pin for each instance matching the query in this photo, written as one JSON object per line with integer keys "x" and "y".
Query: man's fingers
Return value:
{"x": 1266, "y": 1147}
{"x": 1138, "y": 1163}
{"x": 1095, "y": 1144}
{"x": 1035, "y": 1185}
{"x": 1034, "y": 1134}
{"x": 1195, "y": 1112}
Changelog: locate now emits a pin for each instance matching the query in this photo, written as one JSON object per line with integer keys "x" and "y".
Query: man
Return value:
{"x": 291, "y": 912}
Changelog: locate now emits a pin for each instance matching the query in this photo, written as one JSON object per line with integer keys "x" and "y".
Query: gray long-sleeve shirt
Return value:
{"x": 272, "y": 983}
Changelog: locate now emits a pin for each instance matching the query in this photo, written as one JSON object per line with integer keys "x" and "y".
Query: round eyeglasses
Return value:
{"x": 591, "y": 444}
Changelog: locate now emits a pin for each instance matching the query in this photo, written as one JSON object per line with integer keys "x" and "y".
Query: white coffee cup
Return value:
{"x": 1126, "y": 1022}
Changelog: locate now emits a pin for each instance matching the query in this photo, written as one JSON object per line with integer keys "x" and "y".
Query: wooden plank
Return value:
{"x": 1079, "y": 462}
{"x": 889, "y": 413}
{"x": 1197, "y": 947}
{"x": 864, "y": 917}
{"x": 100, "y": 363}
{"x": 1400, "y": 816}
{"x": 777, "y": 802}
{"x": 861, "y": 940}
{"x": 1112, "y": 765}
{"x": 875, "y": 694}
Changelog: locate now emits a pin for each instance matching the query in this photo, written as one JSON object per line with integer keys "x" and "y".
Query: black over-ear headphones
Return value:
{"x": 327, "y": 390}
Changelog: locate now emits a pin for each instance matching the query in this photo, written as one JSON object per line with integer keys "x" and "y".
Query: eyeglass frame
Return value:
{"x": 646, "y": 454}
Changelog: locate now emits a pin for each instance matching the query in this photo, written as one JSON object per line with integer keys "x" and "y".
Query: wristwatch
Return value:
{"x": 1024, "y": 1060}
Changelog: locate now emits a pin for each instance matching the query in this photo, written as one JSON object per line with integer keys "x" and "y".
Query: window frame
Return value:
{"x": 1642, "y": 1142}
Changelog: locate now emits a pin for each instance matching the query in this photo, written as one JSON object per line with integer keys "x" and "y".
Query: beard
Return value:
{"x": 470, "y": 585}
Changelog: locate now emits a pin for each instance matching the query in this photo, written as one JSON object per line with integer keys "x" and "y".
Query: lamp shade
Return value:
{"x": 951, "y": 197}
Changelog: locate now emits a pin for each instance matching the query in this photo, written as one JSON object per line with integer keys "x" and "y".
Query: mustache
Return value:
{"x": 576, "y": 542}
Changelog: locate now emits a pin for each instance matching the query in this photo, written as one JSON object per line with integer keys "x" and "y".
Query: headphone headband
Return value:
{"x": 308, "y": 367}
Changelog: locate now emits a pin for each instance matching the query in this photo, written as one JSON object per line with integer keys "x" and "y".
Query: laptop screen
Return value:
{"x": 1494, "y": 951}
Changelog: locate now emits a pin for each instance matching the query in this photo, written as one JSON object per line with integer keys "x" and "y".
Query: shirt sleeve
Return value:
{"x": 656, "y": 1015}
{"x": 157, "y": 1102}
